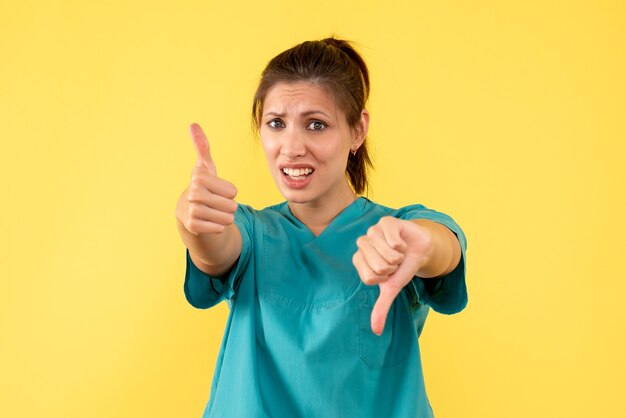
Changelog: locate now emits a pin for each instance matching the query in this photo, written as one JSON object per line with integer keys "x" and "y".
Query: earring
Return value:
{"x": 353, "y": 151}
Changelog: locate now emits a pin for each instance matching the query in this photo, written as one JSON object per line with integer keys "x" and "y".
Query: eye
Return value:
{"x": 276, "y": 123}
{"x": 316, "y": 125}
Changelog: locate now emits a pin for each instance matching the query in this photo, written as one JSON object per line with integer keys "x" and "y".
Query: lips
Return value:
{"x": 297, "y": 172}
{"x": 297, "y": 177}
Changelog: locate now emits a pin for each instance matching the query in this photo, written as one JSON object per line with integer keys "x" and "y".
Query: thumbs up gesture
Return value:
{"x": 390, "y": 255}
{"x": 207, "y": 206}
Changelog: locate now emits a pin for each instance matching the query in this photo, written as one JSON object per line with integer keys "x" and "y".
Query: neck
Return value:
{"x": 317, "y": 214}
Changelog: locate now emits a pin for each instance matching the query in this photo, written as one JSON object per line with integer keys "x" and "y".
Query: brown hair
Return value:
{"x": 334, "y": 65}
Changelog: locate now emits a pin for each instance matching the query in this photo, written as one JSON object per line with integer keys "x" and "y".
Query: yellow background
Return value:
{"x": 509, "y": 116}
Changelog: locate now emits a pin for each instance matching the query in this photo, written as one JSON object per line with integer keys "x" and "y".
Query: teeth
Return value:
{"x": 297, "y": 172}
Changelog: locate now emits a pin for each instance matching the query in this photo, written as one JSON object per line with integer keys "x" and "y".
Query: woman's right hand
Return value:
{"x": 207, "y": 205}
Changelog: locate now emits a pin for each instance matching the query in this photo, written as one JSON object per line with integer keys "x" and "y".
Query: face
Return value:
{"x": 306, "y": 140}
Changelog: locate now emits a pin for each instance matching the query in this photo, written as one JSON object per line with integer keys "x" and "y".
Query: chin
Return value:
{"x": 296, "y": 196}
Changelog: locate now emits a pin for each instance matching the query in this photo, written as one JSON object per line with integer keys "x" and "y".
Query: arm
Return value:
{"x": 205, "y": 214}
{"x": 394, "y": 251}
{"x": 444, "y": 253}
{"x": 214, "y": 254}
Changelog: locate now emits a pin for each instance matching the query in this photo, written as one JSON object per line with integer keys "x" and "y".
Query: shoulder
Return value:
{"x": 269, "y": 214}
{"x": 376, "y": 209}
{"x": 250, "y": 210}
{"x": 405, "y": 212}
{"x": 412, "y": 211}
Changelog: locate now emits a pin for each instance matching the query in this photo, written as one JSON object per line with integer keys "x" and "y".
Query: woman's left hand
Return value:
{"x": 390, "y": 255}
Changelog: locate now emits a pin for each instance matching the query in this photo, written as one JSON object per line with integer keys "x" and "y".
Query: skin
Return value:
{"x": 301, "y": 126}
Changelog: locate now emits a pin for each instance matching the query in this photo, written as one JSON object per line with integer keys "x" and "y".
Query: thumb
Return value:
{"x": 390, "y": 289}
{"x": 203, "y": 151}
{"x": 382, "y": 306}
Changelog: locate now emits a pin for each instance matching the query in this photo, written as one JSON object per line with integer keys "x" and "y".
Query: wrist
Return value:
{"x": 436, "y": 253}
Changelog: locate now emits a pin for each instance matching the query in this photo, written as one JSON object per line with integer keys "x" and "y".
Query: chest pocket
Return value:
{"x": 308, "y": 273}
{"x": 393, "y": 346}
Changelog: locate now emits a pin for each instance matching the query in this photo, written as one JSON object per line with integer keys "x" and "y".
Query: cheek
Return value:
{"x": 337, "y": 151}
{"x": 269, "y": 146}
{"x": 271, "y": 151}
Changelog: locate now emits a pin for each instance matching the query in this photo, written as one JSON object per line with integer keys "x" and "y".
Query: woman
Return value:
{"x": 328, "y": 291}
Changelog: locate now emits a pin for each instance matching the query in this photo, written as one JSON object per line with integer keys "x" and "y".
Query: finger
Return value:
{"x": 213, "y": 184}
{"x": 379, "y": 242}
{"x": 203, "y": 151}
{"x": 373, "y": 258}
{"x": 405, "y": 273}
{"x": 212, "y": 200}
{"x": 381, "y": 308}
{"x": 204, "y": 213}
{"x": 222, "y": 187}
{"x": 197, "y": 226}
{"x": 391, "y": 230}
{"x": 366, "y": 274}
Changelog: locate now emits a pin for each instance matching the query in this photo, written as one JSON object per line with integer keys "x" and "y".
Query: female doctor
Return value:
{"x": 328, "y": 291}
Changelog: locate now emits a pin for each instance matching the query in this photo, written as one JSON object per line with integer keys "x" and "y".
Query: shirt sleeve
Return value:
{"x": 446, "y": 294}
{"x": 203, "y": 290}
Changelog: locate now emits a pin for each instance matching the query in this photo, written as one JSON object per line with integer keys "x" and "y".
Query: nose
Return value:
{"x": 293, "y": 144}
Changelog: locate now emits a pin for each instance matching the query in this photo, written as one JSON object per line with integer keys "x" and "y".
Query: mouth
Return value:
{"x": 297, "y": 174}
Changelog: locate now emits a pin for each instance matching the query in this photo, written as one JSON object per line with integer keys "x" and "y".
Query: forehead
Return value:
{"x": 298, "y": 96}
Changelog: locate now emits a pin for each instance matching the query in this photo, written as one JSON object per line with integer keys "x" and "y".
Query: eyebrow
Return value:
{"x": 305, "y": 113}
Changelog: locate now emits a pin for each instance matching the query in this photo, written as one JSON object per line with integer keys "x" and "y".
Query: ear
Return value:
{"x": 360, "y": 130}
